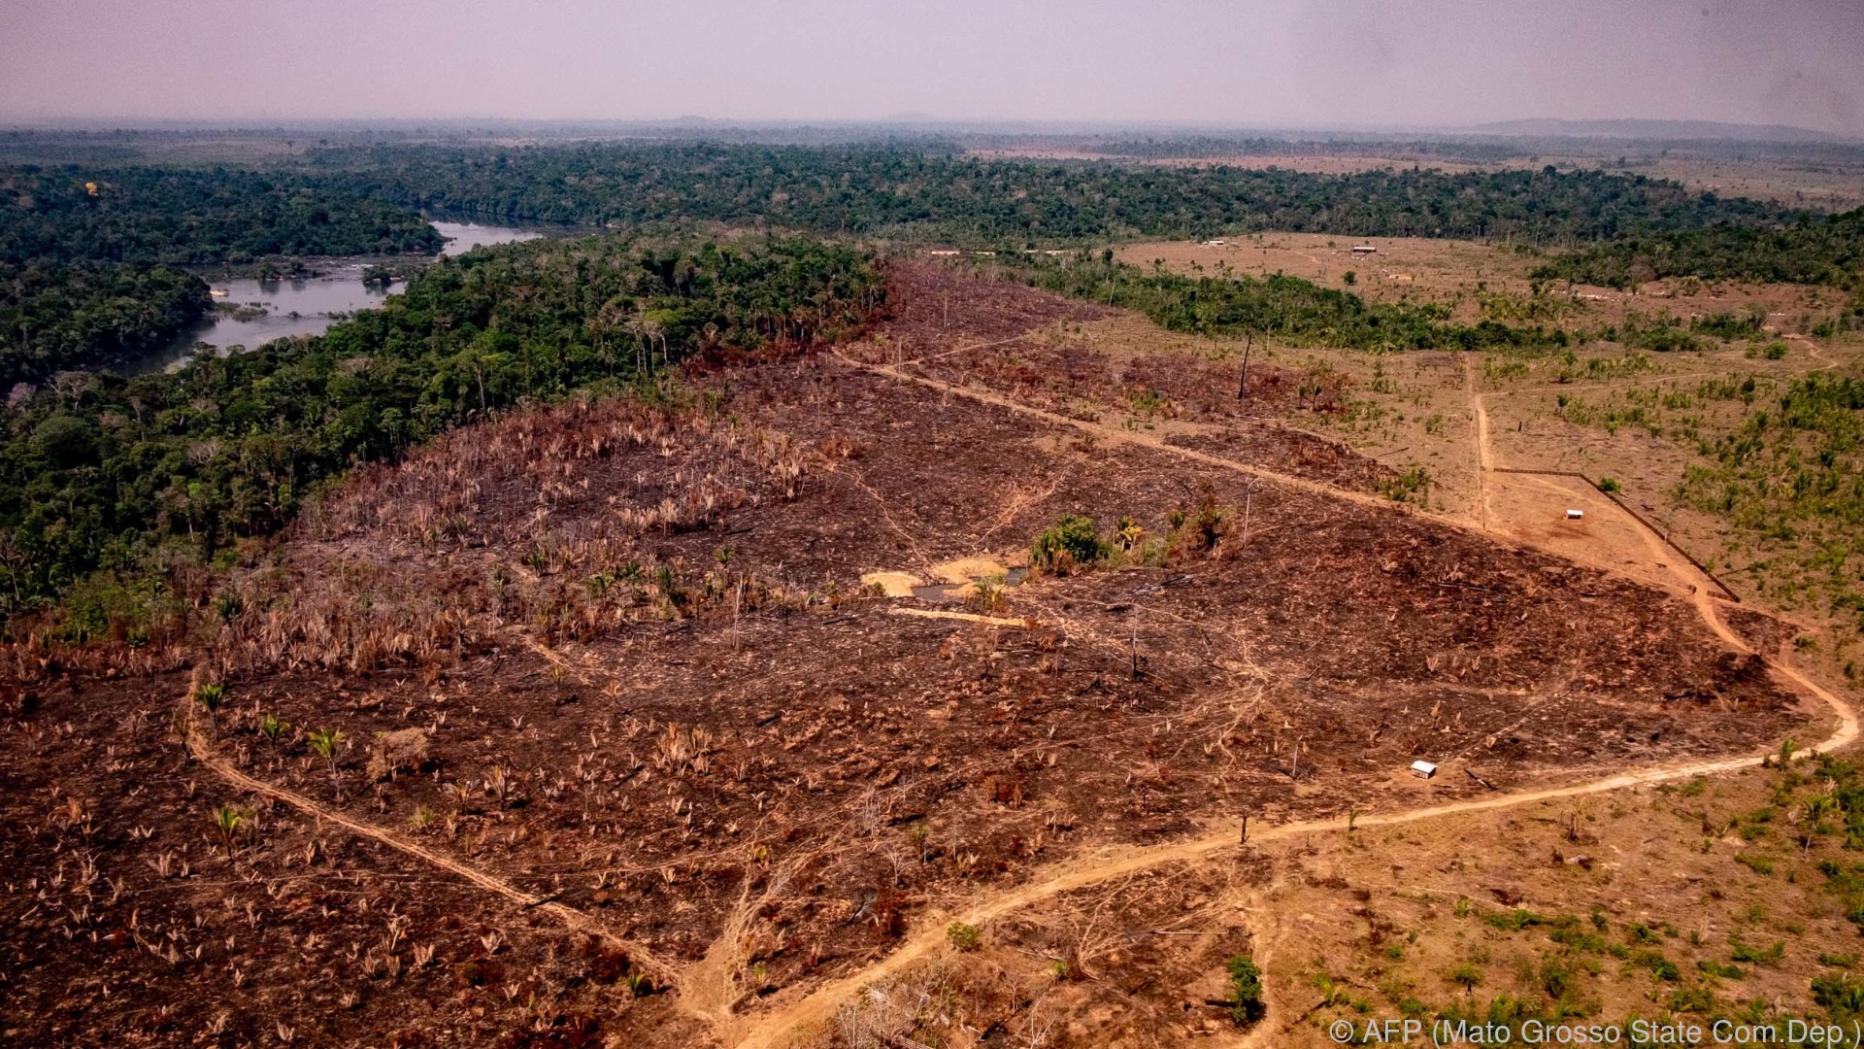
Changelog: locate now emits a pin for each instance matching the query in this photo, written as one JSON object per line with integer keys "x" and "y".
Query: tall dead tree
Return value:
{"x": 1242, "y": 384}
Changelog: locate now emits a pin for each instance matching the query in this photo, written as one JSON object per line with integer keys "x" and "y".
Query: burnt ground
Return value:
{"x": 1017, "y": 340}
{"x": 633, "y": 669}
{"x": 1138, "y": 961}
{"x": 1047, "y": 353}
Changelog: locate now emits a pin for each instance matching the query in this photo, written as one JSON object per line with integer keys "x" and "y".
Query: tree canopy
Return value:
{"x": 1816, "y": 249}
{"x": 99, "y": 472}
{"x": 90, "y": 258}
{"x": 931, "y": 194}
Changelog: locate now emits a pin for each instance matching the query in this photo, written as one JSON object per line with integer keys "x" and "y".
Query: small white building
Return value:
{"x": 1365, "y": 249}
{"x": 1575, "y": 515}
{"x": 1423, "y": 769}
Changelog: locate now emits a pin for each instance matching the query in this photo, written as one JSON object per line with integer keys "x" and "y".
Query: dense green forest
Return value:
{"x": 55, "y": 315}
{"x": 88, "y": 257}
{"x": 103, "y": 472}
{"x": 1290, "y": 309}
{"x": 928, "y": 194}
{"x": 1822, "y": 249}
{"x": 177, "y": 217}
{"x": 73, "y": 224}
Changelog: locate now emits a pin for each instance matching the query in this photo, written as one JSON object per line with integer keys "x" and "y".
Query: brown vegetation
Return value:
{"x": 619, "y": 656}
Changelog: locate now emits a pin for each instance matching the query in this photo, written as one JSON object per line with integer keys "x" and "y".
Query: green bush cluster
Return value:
{"x": 1246, "y": 1005}
{"x": 1073, "y": 542}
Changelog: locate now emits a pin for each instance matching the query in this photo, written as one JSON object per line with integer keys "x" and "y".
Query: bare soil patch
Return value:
{"x": 652, "y": 687}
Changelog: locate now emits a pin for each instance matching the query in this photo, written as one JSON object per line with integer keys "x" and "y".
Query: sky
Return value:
{"x": 1239, "y": 63}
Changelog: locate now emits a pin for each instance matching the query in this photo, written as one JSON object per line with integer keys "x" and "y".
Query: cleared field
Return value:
{"x": 1822, "y": 187}
{"x": 581, "y": 724}
{"x": 1587, "y": 910}
{"x": 1656, "y": 424}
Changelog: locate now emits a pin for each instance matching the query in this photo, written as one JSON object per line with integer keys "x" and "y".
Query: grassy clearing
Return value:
{"x": 1754, "y": 926}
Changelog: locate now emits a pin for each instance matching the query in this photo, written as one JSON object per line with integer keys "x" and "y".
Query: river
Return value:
{"x": 305, "y": 306}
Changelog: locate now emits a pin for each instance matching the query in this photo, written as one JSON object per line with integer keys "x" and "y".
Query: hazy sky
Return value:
{"x": 1238, "y": 62}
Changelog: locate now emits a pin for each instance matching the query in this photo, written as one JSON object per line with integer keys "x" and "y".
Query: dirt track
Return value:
{"x": 799, "y": 1015}
{"x": 788, "y": 1022}
{"x": 202, "y": 749}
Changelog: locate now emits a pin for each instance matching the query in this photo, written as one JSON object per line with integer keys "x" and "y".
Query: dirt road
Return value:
{"x": 663, "y": 972}
{"x": 808, "y": 1013}
{"x": 793, "y": 1016}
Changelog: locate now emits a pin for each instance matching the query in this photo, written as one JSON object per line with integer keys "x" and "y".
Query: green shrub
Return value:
{"x": 1514, "y": 920}
{"x": 1661, "y": 967}
{"x": 209, "y": 695}
{"x": 962, "y": 936}
{"x": 1198, "y": 531}
{"x": 1072, "y": 543}
{"x": 1838, "y": 994}
{"x": 1743, "y": 952}
{"x": 326, "y": 743}
{"x": 1246, "y": 1004}
{"x": 1413, "y": 485}
{"x": 1761, "y": 865}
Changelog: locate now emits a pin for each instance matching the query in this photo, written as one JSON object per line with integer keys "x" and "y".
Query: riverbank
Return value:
{"x": 263, "y": 310}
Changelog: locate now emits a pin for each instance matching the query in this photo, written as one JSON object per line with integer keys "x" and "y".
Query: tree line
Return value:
{"x": 102, "y": 474}
{"x": 1289, "y": 309}
{"x": 1815, "y": 249}
{"x": 924, "y": 194}
{"x": 1620, "y": 228}
{"x": 66, "y": 230}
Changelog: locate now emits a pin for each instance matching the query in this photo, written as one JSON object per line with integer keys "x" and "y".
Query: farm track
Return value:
{"x": 201, "y": 748}
{"x": 807, "y": 1013}
{"x": 817, "y": 1008}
